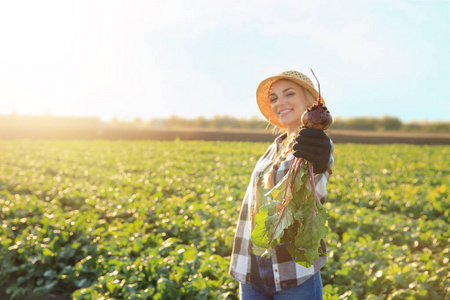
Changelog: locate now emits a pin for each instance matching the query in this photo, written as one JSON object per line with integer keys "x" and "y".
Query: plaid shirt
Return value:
{"x": 287, "y": 272}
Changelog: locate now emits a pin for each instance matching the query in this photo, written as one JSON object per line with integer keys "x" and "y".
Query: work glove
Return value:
{"x": 314, "y": 146}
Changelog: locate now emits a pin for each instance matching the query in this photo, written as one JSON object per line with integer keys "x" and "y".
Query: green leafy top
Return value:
{"x": 293, "y": 216}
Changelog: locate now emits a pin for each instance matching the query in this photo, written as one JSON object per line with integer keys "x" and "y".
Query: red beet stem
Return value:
{"x": 318, "y": 85}
{"x": 299, "y": 164}
{"x": 294, "y": 168}
{"x": 311, "y": 177}
{"x": 293, "y": 162}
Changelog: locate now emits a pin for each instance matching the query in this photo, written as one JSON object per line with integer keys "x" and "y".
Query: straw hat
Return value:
{"x": 263, "y": 91}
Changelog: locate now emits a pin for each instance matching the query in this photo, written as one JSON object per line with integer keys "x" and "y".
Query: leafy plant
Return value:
{"x": 133, "y": 220}
{"x": 294, "y": 216}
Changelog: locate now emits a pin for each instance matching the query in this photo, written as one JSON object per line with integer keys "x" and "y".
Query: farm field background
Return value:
{"x": 155, "y": 220}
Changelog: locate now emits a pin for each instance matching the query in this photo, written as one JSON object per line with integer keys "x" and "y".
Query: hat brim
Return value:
{"x": 262, "y": 96}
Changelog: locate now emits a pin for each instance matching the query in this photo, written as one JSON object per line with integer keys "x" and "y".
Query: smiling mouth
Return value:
{"x": 285, "y": 112}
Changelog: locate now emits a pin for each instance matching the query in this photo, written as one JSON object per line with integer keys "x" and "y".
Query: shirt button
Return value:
{"x": 276, "y": 270}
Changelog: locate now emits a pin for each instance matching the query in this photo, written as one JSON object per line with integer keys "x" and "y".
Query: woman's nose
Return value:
{"x": 280, "y": 100}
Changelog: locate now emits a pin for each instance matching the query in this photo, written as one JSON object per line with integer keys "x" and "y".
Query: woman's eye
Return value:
{"x": 273, "y": 99}
{"x": 290, "y": 94}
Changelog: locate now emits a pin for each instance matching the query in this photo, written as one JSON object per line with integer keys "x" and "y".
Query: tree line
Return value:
{"x": 386, "y": 123}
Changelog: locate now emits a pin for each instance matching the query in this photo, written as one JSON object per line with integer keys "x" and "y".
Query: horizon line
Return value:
{"x": 133, "y": 118}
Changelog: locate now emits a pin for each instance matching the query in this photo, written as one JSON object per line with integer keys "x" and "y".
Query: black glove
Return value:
{"x": 314, "y": 146}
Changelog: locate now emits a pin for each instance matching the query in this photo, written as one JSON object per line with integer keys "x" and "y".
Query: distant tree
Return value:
{"x": 443, "y": 127}
{"x": 173, "y": 121}
{"x": 224, "y": 122}
{"x": 390, "y": 123}
{"x": 201, "y": 122}
{"x": 254, "y": 123}
{"x": 361, "y": 124}
{"x": 338, "y": 123}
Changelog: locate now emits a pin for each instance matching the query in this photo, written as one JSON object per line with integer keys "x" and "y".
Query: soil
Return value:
{"x": 338, "y": 136}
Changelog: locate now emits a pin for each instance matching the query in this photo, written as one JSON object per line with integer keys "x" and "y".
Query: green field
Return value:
{"x": 155, "y": 220}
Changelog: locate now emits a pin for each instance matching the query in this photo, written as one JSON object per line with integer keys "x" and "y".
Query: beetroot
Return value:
{"x": 317, "y": 116}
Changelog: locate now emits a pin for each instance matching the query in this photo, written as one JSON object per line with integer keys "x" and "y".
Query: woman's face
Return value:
{"x": 288, "y": 103}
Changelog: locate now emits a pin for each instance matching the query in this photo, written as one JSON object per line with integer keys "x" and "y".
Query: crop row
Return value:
{"x": 155, "y": 220}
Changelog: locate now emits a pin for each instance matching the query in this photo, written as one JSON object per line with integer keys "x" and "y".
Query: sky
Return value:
{"x": 153, "y": 59}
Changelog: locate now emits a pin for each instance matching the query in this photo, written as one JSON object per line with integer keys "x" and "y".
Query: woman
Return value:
{"x": 282, "y": 99}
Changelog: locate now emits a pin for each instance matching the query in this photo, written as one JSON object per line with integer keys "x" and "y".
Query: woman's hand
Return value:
{"x": 314, "y": 146}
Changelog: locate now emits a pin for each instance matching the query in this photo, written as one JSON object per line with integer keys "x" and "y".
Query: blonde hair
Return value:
{"x": 269, "y": 178}
{"x": 309, "y": 97}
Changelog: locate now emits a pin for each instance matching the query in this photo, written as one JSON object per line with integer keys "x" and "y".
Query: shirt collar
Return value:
{"x": 280, "y": 139}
